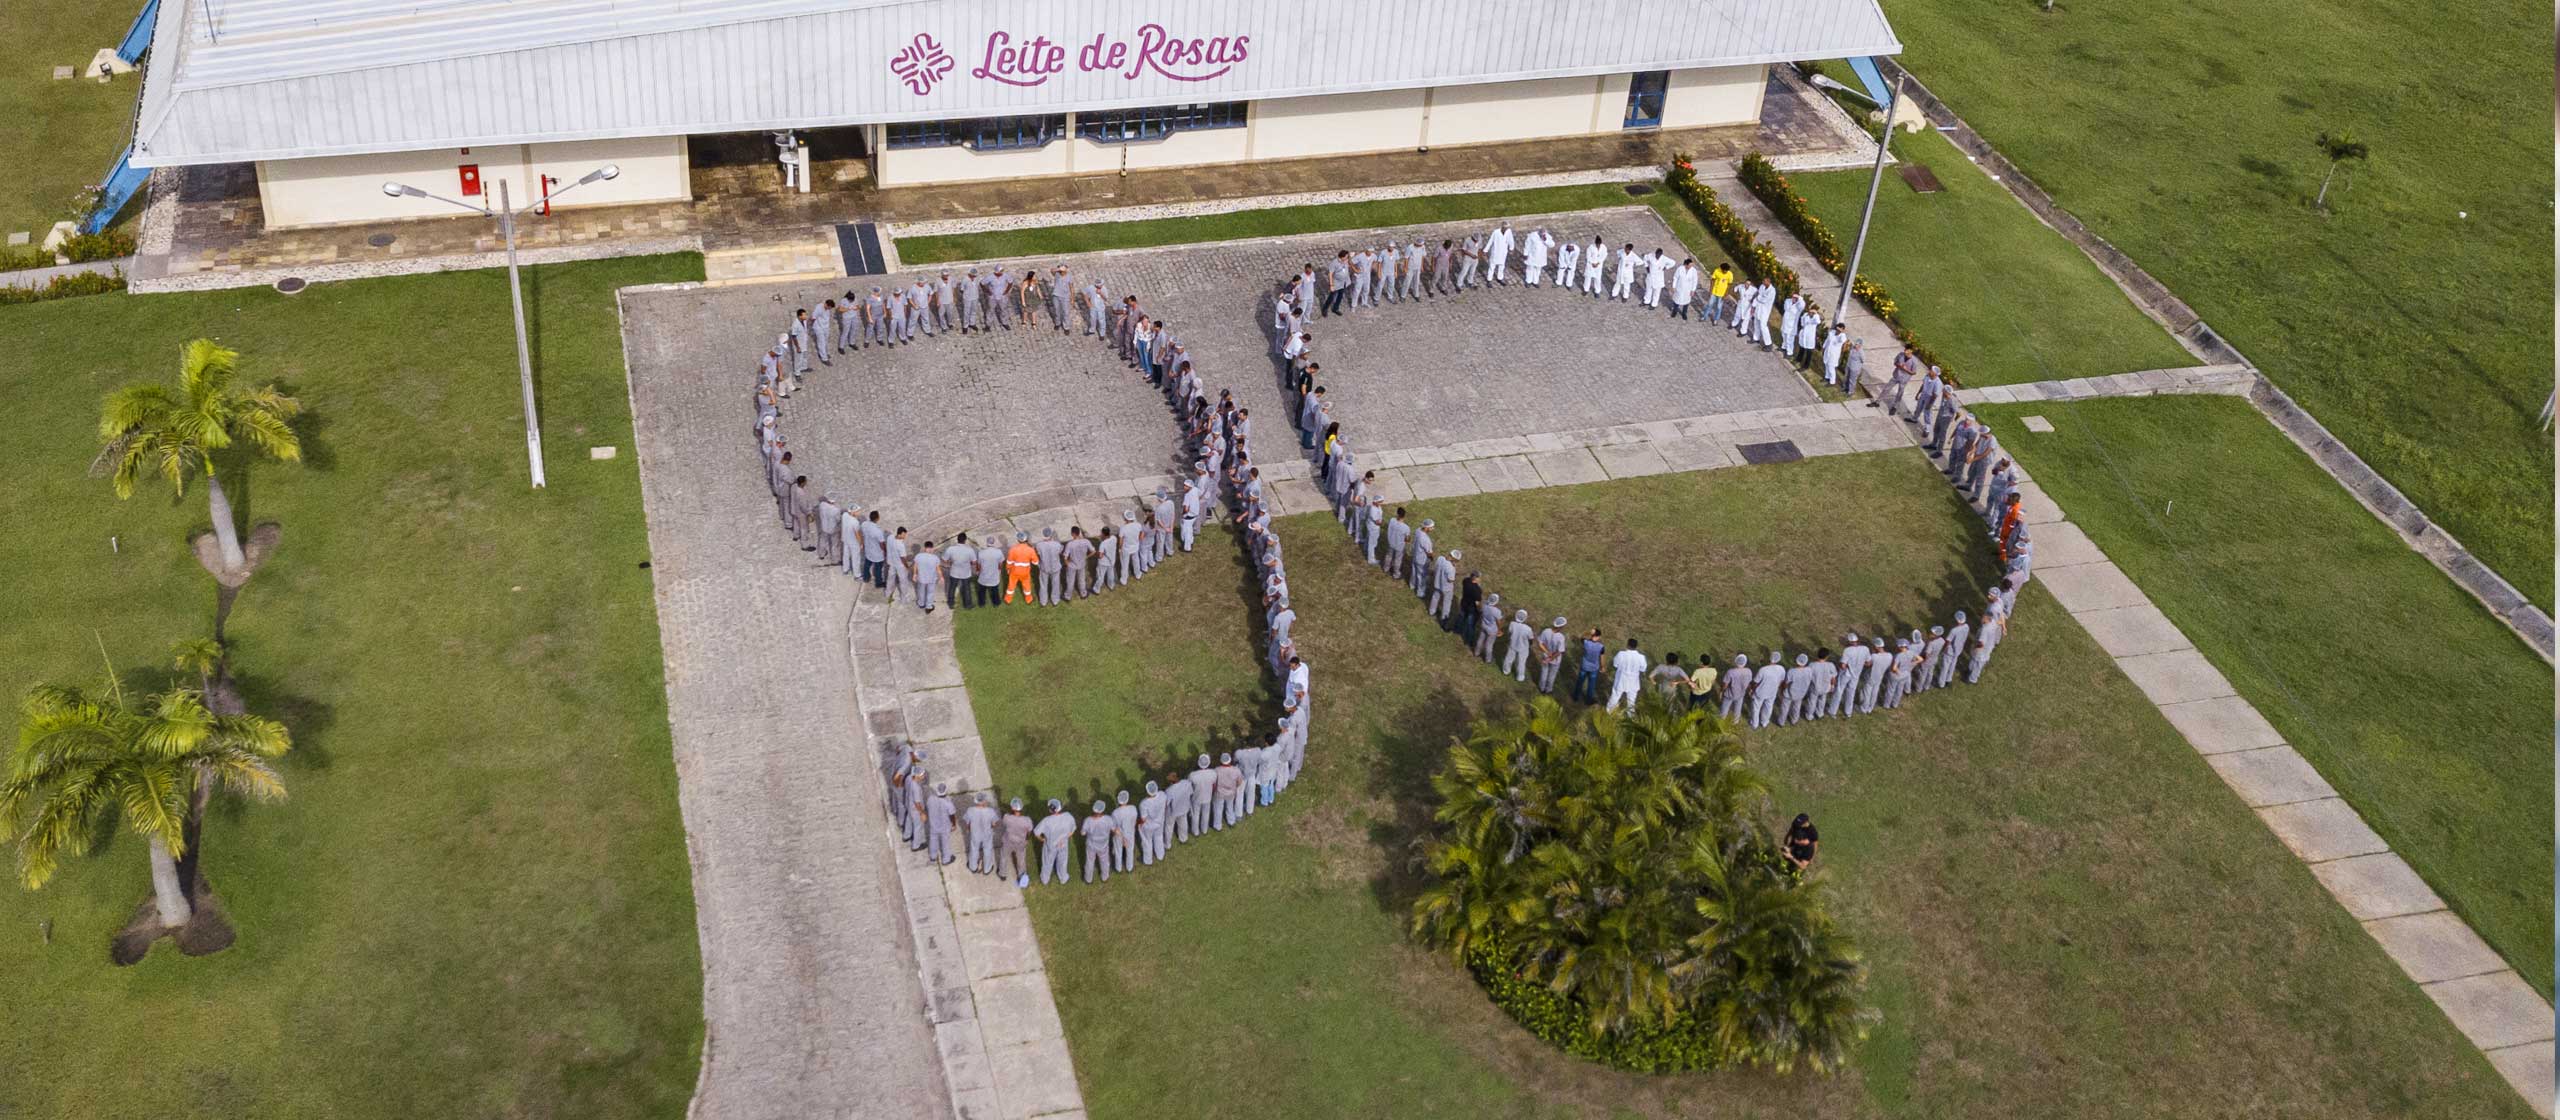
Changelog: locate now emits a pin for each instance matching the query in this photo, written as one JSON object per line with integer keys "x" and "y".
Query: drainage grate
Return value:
{"x": 1781, "y": 451}
{"x": 860, "y": 244}
{"x": 381, "y": 240}
{"x": 1639, "y": 190}
{"x": 291, "y": 285}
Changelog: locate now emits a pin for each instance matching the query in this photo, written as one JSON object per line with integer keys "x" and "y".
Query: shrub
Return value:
{"x": 104, "y": 246}
{"x": 1613, "y": 885}
{"x": 62, "y": 287}
{"x": 1757, "y": 260}
{"x": 1770, "y": 186}
{"x": 16, "y": 258}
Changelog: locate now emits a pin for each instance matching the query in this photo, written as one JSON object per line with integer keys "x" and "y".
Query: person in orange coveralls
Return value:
{"x": 1018, "y": 562}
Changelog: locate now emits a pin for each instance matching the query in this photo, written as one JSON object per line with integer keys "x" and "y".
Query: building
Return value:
{"x": 331, "y": 98}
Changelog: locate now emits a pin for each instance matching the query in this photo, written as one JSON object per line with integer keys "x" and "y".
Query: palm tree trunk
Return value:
{"x": 224, "y": 532}
{"x": 2323, "y": 200}
{"x": 165, "y": 891}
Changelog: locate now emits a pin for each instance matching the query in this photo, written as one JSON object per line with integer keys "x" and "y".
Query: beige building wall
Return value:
{"x": 337, "y": 190}
{"x": 1299, "y": 127}
{"x": 958, "y": 163}
{"x": 1182, "y": 149}
{"x": 1713, "y": 96}
{"x": 1492, "y": 111}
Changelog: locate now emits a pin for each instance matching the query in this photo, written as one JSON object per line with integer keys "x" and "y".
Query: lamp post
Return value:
{"x": 1849, "y": 280}
{"x": 506, "y": 213}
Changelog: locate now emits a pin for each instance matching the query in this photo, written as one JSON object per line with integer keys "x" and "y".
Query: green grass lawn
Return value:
{"x": 67, "y": 131}
{"x": 1275, "y": 222}
{"x": 2183, "y": 135}
{"x": 476, "y": 900}
{"x": 2065, "y": 911}
{"x": 1999, "y": 296}
{"x": 2419, "y": 707}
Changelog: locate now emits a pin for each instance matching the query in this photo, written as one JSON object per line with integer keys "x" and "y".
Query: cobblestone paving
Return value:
{"x": 927, "y": 428}
{"x": 811, "y": 997}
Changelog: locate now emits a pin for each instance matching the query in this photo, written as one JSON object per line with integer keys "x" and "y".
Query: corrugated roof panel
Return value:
{"x": 449, "y": 73}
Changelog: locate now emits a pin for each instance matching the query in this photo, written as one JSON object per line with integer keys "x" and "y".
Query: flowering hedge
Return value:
{"x": 75, "y": 284}
{"x": 1757, "y": 259}
{"x": 1770, "y": 186}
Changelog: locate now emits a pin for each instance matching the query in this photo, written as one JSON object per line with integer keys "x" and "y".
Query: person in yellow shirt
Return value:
{"x": 1702, "y": 684}
{"x": 1719, "y": 284}
{"x": 1018, "y": 562}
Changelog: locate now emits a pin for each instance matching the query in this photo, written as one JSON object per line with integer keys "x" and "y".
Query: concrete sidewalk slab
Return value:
{"x": 2175, "y": 677}
{"x": 2091, "y": 587}
{"x": 1439, "y": 480}
{"x": 2380, "y": 885}
{"x": 2528, "y": 1068}
{"x": 2494, "y": 1011}
{"x": 1630, "y": 460}
{"x": 2063, "y": 544}
{"x": 2319, "y": 831}
{"x": 938, "y": 714}
{"x": 929, "y": 663}
{"x": 2222, "y": 724}
{"x": 2270, "y": 776}
{"x": 2131, "y": 631}
{"x": 1567, "y": 467}
{"x": 2435, "y": 946}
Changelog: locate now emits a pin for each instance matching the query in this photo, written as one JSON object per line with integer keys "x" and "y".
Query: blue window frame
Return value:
{"x": 1644, "y": 98}
{"x": 985, "y": 134}
{"x": 1125, "y": 125}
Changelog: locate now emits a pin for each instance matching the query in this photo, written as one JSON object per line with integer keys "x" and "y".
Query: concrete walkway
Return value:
{"x": 811, "y": 999}
{"x": 39, "y": 277}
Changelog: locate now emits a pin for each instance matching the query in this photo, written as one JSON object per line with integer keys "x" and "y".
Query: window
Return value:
{"x": 1125, "y": 125}
{"x": 1644, "y": 98}
{"x": 986, "y": 134}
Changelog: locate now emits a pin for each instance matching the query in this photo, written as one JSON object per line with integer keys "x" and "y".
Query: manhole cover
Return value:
{"x": 1639, "y": 189}
{"x": 1781, "y": 451}
{"x": 291, "y": 285}
{"x": 380, "y": 240}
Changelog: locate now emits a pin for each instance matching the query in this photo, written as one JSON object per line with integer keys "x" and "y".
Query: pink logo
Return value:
{"x": 1032, "y": 62}
{"x": 922, "y": 64}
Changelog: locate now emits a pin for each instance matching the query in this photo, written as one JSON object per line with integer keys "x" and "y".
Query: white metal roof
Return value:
{"x": 271, "y": 79}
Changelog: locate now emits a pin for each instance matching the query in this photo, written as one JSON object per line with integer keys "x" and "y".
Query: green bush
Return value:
{"x": 1614, "y": 884}
{"x": 17, "y": 258}
{"x": 1758, "y": 260}
{"x": 63, "y": 287}
{"x": 1770, "y": 186}
{"x": 105, "y": 246}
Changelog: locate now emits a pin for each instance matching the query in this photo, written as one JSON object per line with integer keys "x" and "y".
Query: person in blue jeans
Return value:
{"x": 1586, "y": 682}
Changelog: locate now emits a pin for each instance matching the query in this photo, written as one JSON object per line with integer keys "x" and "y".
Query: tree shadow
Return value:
{"x": 1412, "y": 744}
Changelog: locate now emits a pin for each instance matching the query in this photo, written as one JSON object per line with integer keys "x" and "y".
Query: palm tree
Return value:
{"x": 2340, "y": 147}
{"x": 85, "y": 754}
{"x": 1778, "y": 979}
{"x": 179, "y": 434}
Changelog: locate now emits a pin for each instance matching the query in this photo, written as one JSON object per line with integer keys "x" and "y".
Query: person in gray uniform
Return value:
{"x": 1444, "y": 582}
{"x": 896, "y": 310}
{"x": 938, "y": 814}
{"x": 1078, "y": 555}
{"x": 1097, "y": 832}
{"x": 1932, "y": 652}
{"x": 919, "y": 310}
{"x": 1226, "y": 789}
{"x": 919, "y": 793}
{"x": 823, "y": 327}
{"x": 1133, "y": 541}
{"x": 980, "y": 821}
{"x": 1014, "y": 836}
{"x": 928, "y": 565}
{"x": 1956, "y": 637}
{"x": 1399, "y": 540}
{"x": 1986, "y": 451}
{"x": 1826, "y": 677}
{"x": 1879, "y": 666}
{"x": 1106, "y": 561}
{"x": 1057, "y": 832}
{"x": 1488, "y": 622}
{"x": 973, "y": 303}
{"x": 1177, "y": 808}
{"x": 1151, "y": 809}
{"x": 1165, "y": 522}
{"x": 1898, "y": 674}
{"x": 1992, "y": 629}
{"x": 1204, "y": 796}
{"x": 1853, "y": 668}
{"x": 1124, "y": 833}
{"x": 959, "y": 570}
{"x": 1062, "y": 288}
{"x": 1798, "y": 681}
{"x": 803, "y": 340}
{"x": 830, "y": 531}
{"x": 1764, "y": 690}
{"x": 1249, "y": 769}
{"x": 1736, "y": 682}
{"x": 894, "y": 559}
{"x": 990, "y": 571}
{"x": 1052, "y": 561}
{"x": 1550, "y": 656}
{"x": 1423, "y": 565}
{"x": 1373, "y": 523}
{"x": 1515, "y": 651}
{"x": 999, "y": 286}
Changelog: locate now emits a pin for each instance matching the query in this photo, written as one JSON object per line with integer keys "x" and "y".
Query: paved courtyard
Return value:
{"x": 928, "y": 428}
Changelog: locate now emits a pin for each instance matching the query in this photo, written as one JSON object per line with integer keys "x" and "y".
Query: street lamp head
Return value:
{"x": 398, "y": 190}
{"x": 392, "y": 189}
{"x": 608, "y": 171}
